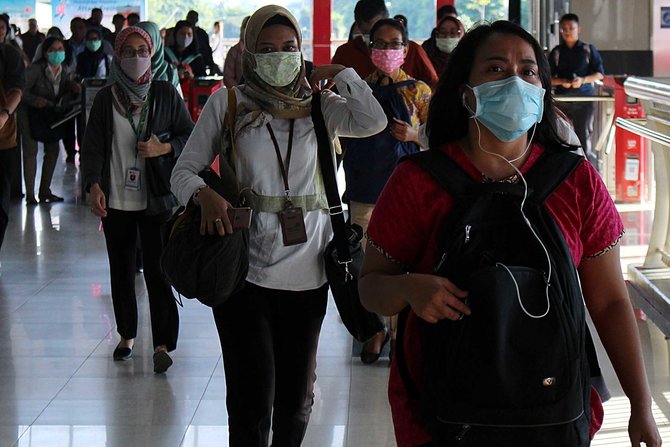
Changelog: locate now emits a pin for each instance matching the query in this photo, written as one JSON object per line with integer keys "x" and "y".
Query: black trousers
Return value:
{"x": 6, "y": 163}
{"x": 269, "y": 340}
{"x": 581, "y": 115}
{"x": 121, "y": 231}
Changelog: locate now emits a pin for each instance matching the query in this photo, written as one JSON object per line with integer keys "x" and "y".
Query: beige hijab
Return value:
{"x": 291, "y": 101}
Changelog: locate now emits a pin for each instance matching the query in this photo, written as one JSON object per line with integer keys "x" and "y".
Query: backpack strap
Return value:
{"x": 548, "y": 173}
{"x": 330, "y": 182}
{"x": 445, "y": 171}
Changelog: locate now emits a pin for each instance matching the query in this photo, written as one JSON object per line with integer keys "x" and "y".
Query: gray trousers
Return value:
{"x": 29, "y": 145}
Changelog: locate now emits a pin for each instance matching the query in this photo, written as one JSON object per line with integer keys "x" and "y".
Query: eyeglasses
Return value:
{"x": 130, "y": 52}
{"x": 381, "y": 45}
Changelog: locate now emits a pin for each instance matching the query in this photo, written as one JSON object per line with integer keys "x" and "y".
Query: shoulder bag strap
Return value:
{"x": 444, "y": 170}
{"x": 549, "y": 172}
{"x": 227, "y": 159}
{"x": 330, "y": 182}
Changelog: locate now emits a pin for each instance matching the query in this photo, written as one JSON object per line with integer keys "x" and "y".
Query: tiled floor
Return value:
{"x": 59, "y": 386}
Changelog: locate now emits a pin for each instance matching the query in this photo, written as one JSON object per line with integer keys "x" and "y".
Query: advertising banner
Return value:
{"x": 65, "y": 10}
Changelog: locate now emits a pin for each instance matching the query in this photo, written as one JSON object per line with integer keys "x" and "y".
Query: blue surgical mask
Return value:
{"x": 93, "y": 45}
{"x": 508, "y": 107}
{"x": 56, "y": 57}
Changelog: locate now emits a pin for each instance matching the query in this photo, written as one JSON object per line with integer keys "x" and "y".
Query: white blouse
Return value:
{"x": 353, "y": 113}
{"x": 124, "y": 156}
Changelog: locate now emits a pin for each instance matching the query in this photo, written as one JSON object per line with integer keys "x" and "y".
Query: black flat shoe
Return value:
{"x": 162, "y": 362}
{"x": 369, "y": 357}
{"x": 51, "y": 198}
{"x": 121, "y": 354}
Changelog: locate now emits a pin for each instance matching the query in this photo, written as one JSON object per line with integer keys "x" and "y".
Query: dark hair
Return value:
{"x": 47, "y": 44}
{"x": 75, "y": 20}
{"x": 365, "y": 10}
{"x": 5, "y": 19}
{"x": 118, "y": 16}
{"x": 445, "y": 10}
{"x": 96, "y": 10}
{"x": 95, "y": 31}
{"x": 133, "y": 14}
{"x": 570, "y": 17}
{"x": 393, "y": 23}
{"x": 448, "y": 118}
{"x": 402, "y": 19}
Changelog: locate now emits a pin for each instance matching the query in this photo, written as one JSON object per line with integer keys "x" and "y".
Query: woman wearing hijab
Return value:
{"x": 160, "y": 69}
{"x": 443, "y": 41}
{"x": 93, "y": 62}
{"x": 132, "y": 120}
{"x": 185, "y": 54}
{"x": 269, "y": 330}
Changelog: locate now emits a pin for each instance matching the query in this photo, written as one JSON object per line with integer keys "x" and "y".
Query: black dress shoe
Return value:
{"x": 162, "y": 362}
{"x": 369, "y": 357}
{"x": 122, "y": 353}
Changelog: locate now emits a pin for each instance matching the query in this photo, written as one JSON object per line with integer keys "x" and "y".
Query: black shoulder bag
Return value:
{"x": 159, "y": 169}
{"x": 344, "y": 255}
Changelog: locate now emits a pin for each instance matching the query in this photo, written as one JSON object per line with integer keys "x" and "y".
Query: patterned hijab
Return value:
{"x": 291, "y": 101}
{"x": 131, "y": 94}
{"x": 161, "y": 70}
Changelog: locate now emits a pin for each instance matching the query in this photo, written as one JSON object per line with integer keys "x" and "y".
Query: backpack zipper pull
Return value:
{"x": 462, "y": 433}
{"x": 467, "y": 233}
{"x": 439, "y": 264}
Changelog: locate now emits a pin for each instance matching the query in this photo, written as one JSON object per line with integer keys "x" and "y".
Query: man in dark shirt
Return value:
{"x": 575, "y": 66}
{"x": 95, "y": 21}
{"x": 356, "y": 53}
{"x": 203, "y": 42}
{"x": 31, "y": 39}
{"x": 12, "y": 82}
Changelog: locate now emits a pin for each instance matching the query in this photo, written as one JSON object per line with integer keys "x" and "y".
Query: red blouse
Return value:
{"x": 405, "y": 226}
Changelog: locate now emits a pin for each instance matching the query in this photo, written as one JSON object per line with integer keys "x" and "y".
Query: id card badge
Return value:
{"x": 292, "y": 226}
{"x": 133, "y": 179}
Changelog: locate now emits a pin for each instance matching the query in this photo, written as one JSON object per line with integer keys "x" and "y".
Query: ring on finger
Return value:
{"x": 460, "y": 316}
{"x": 217, "y": 220}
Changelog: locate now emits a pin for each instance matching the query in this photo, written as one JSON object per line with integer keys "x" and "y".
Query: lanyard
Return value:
{"x": 143, "y": 117}
{"x": 284, "y": 167}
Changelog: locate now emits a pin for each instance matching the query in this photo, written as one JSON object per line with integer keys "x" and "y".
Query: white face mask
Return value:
{"x": 184, "y": 41}
{"x": 135, "y": 67}
{"x": 447, "y": 44}
{"x": 280, "y": 68}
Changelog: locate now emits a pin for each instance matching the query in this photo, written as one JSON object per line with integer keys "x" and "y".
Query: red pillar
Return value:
{"x": 321, "y": 31}
{"x": 441, "y": 3}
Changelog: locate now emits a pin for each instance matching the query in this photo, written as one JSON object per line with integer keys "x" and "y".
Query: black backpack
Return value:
{"x": 516, "y": 371}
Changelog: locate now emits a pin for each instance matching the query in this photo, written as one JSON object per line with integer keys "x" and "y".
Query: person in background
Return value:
{"x": 201, "y": 36}
{"x": 119, "y": 22}
{"x": 575, "y": 66}
{"x": 185, "y": 54}
{"x": 446, "y": 10}
{"x": 49, "y": 82}
{"x": 232, "y": 68}
{"x": 368, "y": 163}
{"x": 269, "y": 331}
{"x": 354, "y": 33}
{"x": 93, "y": 62}
{"x": 217, "y": 45}
{"x": 95, "y": 21}
{"x": 161, "y": 70}
{"x": 403, "y": 20}
{"x": 12, "y": 82}
{"x": 115, "y": 151}
{"x": 356, "y": 54}
{"x": 133, "y": 19}
{"x": 77, "y": 41}
{"x": 448, "y": 33}
{"x": 31, "y": 39}
{"x": 409, "y": 221}
{"x": 6, "y": 35}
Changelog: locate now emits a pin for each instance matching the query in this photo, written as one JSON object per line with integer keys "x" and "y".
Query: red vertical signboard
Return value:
{"x": 321, "y": 31}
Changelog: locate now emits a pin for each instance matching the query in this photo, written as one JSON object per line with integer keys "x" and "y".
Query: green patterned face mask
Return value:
{"x": 278, "y": 69}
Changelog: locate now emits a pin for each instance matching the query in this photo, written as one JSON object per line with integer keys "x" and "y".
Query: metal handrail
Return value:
{"x": 648, "y": 89}
{"x": 584, "y": 98}
{"x": 637, "y": 127}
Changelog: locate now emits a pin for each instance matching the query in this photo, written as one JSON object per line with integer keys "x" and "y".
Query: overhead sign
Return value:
{"x": 665, "y": 17}
{"x": 66, "y": 10}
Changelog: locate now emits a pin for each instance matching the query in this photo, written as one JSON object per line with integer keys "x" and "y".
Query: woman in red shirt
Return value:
{"x": 494, "y": 144}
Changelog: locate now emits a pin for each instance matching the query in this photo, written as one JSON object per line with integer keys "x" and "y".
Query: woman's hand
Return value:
{"x": 577, "y": 82}
{"x": 41, "y": 103}
{"x": 434, "y": 298}
{"x": 98, "y": 201}
{"x": 324, "y": 73}
{"x": 403, "y": 131}
{"x": 213, "y": 213}
{"x": 153, "y": 147}
{"x": 642, "y": 428}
